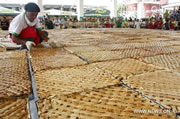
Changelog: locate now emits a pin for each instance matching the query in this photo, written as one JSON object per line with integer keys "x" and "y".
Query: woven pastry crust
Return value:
{"x": 161, "y": 50}
{"x": 149, "y": 44}
{"x": 175, "y": 47}
{"x": 135, "y": 53}
{"x": 115, "y": 46}
{"x": 14, "y": 109}
{"x": 52, "y": 58}
{"x": 71, "y": 80}
{"x": 162, "y": 86}
{"x": 107, "y": 103}
{"x": 125, "y": 67}
{"x": 14, "y": 78}
{"x": 98, "y": 56}
{"x": 13, "y": 54}
{"x": 171, "y": 61}
{"x": 83, "y": 49}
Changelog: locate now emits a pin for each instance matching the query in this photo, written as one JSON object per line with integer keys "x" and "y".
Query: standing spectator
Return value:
{"x": 57, "y": 23}
{"x": 112, "y": 23}
{"x": 160, "y": 23}
{"x": 137, "y": 24}
{"x": 49, "y": 24}
{"x": 4, "y": 24}
{"x": 151, "y": 25}
{"x": 156, "y": 24}
{"x": 107, "y": 24}
{"x": 125, "y": 23}
{"x": 119, "y": 23}
{"x": 172, "y": 23}
{"x": 166, "y": 25}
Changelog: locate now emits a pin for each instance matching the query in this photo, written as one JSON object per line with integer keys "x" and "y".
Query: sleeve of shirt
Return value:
{"x": 38, "y": 25}
{"x": 16, "y": 27}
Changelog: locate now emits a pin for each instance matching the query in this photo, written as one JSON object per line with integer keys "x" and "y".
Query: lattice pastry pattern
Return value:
{"x": 115, "y": 46}
{"x": 161, "y": 50}
{"x": 71, "y": 80}
{"x": 40, "y": 52}
{"x": 125, "y": 67}
{"x": 14, "y": 109}
{"x": 54, "y": 59}
{"x": 163, "y": 86}
{"x": 83, "y": 49}
{"x": 169, "y": 61}
{"x": 13, "y": 54}
{"x": 107, "y": 103}
{"x": 101, "y": 55}
{"x": 135, "y": 53}
{"x": 14, "y": 78}
{"x": 150, "y": 44}
{"x": 2, "y": 49}
{"x": 175, "y": 47}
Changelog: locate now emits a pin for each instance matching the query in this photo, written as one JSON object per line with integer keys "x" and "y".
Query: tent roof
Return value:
{"x": 58, "y": 12}
{"x": 4, "y": 10}
{"x": 98, "y": 12}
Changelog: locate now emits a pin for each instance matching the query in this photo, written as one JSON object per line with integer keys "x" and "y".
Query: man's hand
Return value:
{"x": 30, "y": 44}
{"x": 52, "y": 43}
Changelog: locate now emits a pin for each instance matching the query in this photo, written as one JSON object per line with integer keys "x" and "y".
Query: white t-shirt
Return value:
{"x": 137, "y": 24}
{"x": 21, "y": 22}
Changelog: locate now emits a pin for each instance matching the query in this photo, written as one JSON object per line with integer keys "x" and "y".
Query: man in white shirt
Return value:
{"x": 25, "y": 28}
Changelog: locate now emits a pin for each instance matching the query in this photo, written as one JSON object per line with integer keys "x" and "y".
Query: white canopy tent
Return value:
{"x": 58, "y": 12}
{"x": 4, "y": 10}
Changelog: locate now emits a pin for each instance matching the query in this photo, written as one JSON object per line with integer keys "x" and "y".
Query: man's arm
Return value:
{"x": 18, "y": 40}
{"x": 42, "y": 35}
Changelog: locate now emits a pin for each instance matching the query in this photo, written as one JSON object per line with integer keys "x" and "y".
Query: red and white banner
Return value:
{"x": 163, "y": 2}
{"x": 151, "y": 9}
{"x": 131, "y": 8}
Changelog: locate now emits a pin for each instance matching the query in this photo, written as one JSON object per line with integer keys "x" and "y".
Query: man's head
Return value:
{"x": 32, "y": 10}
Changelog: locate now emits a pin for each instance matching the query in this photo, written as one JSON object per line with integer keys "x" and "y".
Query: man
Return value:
{"x": 25, "y": 28}
{"x": 4, "y": 24}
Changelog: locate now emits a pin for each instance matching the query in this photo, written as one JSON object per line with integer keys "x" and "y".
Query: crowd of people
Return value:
{"x": 169, "y": 21}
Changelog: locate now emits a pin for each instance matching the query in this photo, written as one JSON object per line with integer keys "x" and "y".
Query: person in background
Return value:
{"x": 125, "y": 23}
{"x": 119, "y": 23}
{"x": 137, "y": 24}
{"x": 166, "y": 25}
{"x": 160, "y": 24}
{"x": 107, "y": 24}
{"x": 151, "y": 25}
{"x": 49, "y": 24}
{"x": 112, "y": 23}
{"x": 4, "y": 24}
{"x": 57, "y": 23}
{"x": 25, "y": 28}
